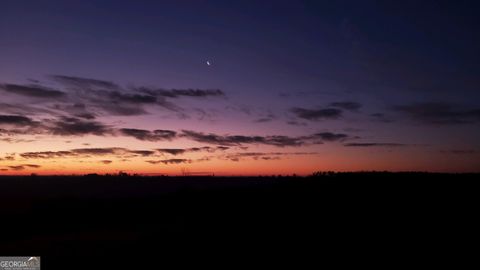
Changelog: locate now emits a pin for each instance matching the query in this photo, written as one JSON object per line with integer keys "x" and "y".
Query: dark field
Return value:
{"x": 149, "y": 222}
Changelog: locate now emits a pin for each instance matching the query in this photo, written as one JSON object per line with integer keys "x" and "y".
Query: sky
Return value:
{"x": 290, "y": 87}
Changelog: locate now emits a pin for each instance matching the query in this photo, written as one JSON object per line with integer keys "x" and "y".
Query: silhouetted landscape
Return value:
{"x": 107, "y": 222}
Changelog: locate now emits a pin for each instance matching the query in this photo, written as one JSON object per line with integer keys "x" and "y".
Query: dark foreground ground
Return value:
{"x": 151, "y": 222}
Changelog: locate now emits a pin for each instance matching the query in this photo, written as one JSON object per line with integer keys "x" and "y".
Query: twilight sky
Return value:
{"x": 292, "y": 86}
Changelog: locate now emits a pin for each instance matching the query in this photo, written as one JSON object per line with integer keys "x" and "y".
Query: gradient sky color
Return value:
{"x": 292, "y": 86}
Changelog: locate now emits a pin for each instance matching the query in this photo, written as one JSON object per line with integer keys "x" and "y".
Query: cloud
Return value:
{"x": 113, "y": 99}
{"x": 262, "y": 155}
{"x": 147, "y": 94}
{"x": 87, "y": 100}
{"x": 347, "y": 105}
{"x": 23, "y": 167}
{"x": 146, "y": 135}
{"x": 374, "y": 145}
{"x": 317, "y": 114}
{"x": 8, "y": 157}
{"x": 177, "y": 151}
{"x": 62, "y": 126}
{"x": 14, "y": 140}
{"x": 208, "y": 149}
{"x": 99, "y": 151}
{"x": 98, "y": 98}
{"x": 232, "y": 140}
{"x": 439, "y": 113}
{"x": 117, "y": 152}
{"x": 72, "y": 126}
{"x": 36, "y": 91}
{"x": 68, "y": 126}
{"x": 275, "y": 140}
{"x": 329, "y": 136}
{"x": 170, "y": 161}
{"x": 175, "y": 93}
{"x": 143, "y": 153}
{"x": 113, "y": 102}
{"x": 83, "y": 82}
{"x": 87, "y": 152}
{"x": 172, "y": 151}
{"x": 46, "y": 154}
{"x": 22, "y": 109}
{"x": 132, "y": 98}
{"x": 282, "y": 141}
{"x": 121, "y": 110}
{"x": 206, "y": 138}
{"x": 88, "y": 116}
{"x": 16, "y": 120}
{"x": 106, "y": 162}
{"x": 270, "y": 158}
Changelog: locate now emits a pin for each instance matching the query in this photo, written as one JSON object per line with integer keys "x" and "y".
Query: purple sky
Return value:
{"x": 293, "y": 86}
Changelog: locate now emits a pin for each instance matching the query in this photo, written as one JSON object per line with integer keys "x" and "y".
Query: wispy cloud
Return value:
{"x": 69, "y": 126}
{"x": 147, "y": 135}
{"x": 374, "y": 144}
{"x": 317, "y": 114}
{"x": 262, "y": 155}
{"x": 95, "y": 97}
{"x": 232, "y": 140}
{"x": 170, "y": 161}
{"x": 329, "y": 136}
{"x": 16, "y": 120}
{"x": 36, "y": 91}
{"x": 106, "y": 162}
{"x": 87, "y": 152}
{"x": 176, "y": 93}
{"x": 275, "y": 140}
{"x": 23, "y": 167}
{"x": 181, "y": 151}
{"x": 80, "y": 82}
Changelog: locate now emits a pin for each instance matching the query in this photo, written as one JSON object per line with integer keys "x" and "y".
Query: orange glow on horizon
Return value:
{"x": 217, "y": 165}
